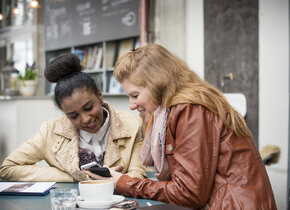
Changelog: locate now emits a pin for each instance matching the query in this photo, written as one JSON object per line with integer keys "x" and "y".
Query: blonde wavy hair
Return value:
{"x": 170, "y": 81}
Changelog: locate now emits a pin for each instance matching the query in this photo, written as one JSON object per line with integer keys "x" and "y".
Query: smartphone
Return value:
{"x": 87, "y": 166}
{"x": 96, "y": 168}
{"x": 102, "y": 171}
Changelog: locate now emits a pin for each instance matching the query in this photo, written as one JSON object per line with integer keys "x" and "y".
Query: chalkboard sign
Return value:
{"x": 78, "y": 22}
{"x": 58, "y": 24}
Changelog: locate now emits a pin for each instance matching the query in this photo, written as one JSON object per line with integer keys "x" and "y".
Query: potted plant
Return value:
{"x": 28, "y": 82}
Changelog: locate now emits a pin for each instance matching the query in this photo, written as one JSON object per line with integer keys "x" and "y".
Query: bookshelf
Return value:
{"x": 98, "y": 61}
{"x": 98, "y": 32}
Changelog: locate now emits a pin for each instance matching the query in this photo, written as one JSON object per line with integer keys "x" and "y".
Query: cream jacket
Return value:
{"x": 57, "y": 141}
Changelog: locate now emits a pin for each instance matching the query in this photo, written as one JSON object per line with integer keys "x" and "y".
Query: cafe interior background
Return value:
{"x": 242, "y": 47}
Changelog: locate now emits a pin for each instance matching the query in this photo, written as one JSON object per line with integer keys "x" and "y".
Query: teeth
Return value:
{"x": 91, "y": 124}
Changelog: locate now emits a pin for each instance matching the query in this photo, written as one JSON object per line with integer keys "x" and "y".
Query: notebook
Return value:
{"x": 25, "y": 188}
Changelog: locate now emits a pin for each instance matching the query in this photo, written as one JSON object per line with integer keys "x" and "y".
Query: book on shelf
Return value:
{"x": 125, "y": 46}
{"x": 114, "y": 86}
{"x": 25, "y": 188}
{"x": 86, "y": 58}
{"x": 90, "y": 57}
{"x": 110, "y": 54}
{"x": 98, "y": 59}
{"x": 137, "y": 43}
{"x": 81, "y": 55}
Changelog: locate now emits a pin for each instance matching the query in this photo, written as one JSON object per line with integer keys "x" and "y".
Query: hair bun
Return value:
{"x": 62, "y": 66}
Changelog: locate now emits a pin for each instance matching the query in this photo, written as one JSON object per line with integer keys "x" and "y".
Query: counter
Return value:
{"x": 7, "y": 98}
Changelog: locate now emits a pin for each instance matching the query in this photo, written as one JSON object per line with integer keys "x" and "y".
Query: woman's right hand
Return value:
{"x": 114, "y": 171}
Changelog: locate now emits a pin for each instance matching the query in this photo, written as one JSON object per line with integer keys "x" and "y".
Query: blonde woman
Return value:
{"x": 202, "y": 149}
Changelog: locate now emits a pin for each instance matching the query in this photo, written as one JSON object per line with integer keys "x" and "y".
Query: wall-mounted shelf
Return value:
{"x": 98, "y": 61}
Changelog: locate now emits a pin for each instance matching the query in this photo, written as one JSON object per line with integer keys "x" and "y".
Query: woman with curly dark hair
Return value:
{"x": 90, "y": 131}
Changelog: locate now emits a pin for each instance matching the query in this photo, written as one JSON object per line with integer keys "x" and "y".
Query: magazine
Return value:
{"x": 25, "y": 188}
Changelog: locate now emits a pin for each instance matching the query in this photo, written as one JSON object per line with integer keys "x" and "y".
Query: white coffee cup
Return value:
{"x": 96, "y": 190}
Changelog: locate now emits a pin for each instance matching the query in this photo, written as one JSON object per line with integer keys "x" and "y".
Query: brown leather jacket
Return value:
{"x": 210, "y": 167}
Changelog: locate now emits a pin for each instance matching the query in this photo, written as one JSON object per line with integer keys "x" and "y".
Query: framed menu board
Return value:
{"x": 78, "y": 22}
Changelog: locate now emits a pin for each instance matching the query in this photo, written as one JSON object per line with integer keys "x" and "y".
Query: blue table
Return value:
{"x": 43, "y": 202}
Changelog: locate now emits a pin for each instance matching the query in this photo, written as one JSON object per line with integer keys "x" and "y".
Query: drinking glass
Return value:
{"x": 63, "y": 199}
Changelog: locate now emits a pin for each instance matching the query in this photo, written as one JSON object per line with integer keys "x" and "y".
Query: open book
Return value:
{"x": 25, "y": 188}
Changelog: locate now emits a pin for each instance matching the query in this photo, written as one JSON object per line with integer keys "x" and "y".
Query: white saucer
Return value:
{"x": 99, "y": 204}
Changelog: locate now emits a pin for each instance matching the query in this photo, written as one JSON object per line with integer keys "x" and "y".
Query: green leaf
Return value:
{"x": 30, "y": 73}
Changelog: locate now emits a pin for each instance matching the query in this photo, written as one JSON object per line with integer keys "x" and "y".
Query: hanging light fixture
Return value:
{"x": 15, "y": 10}
{"x": 33, "y": 4}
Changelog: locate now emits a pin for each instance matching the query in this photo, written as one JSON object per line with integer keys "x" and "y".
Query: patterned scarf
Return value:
{"x": 153, "y": 149}
{"x": 86, "y": 156}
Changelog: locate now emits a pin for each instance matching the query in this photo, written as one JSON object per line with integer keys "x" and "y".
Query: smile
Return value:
{"x": 92, "y": 125}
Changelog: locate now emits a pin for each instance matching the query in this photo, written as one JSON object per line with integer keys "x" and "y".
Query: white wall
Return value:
{"x": 31, "y": 114}
{"x": 20, "y": 119}
{"x": 7, "y": 128}
{"x": 164, "y": 22}
{"x": 194, "y": 36}
{"x": 273, "y": 88}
